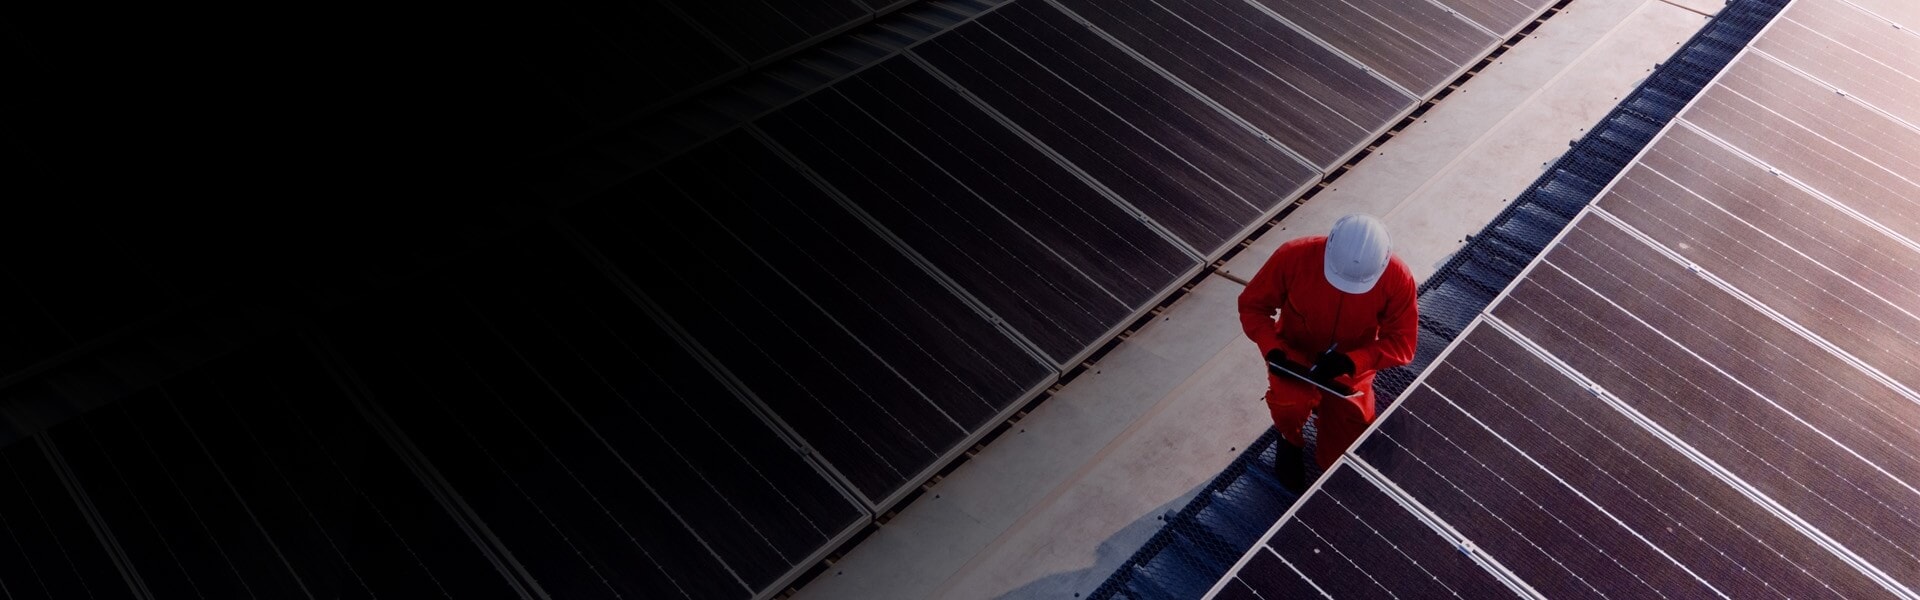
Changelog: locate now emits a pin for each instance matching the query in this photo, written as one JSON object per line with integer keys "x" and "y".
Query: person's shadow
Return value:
{"x": 1246, "y": 505}
{"x": 1109, "y": 555}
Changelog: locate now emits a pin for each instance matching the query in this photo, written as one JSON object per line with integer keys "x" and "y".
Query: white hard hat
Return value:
{"x": 1357, "y": 253}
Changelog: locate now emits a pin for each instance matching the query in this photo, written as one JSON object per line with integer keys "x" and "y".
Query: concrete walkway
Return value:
{"x": 1051, "y": 508}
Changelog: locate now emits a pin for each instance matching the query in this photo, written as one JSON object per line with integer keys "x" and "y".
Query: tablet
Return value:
{"x": 1287, "y": 368}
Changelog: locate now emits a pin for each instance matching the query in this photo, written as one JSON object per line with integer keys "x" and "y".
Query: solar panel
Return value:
{"x": 1852, "y": 50}
{"x": 47, "y": 548}
{"x": 252, "y": 476}
{"x": 1304, "y": 95}
{"x": 605, "y": 459}
{"x": 1184, "y": 164}
{"x": 1372, "y": 545}
{"x": 1419, "y": 45}
{"x": 1036, "y": 245}
{"x": 1502, "y": 17}
{"x": 1702, "y": 387}
{"x": 869, "y": 358}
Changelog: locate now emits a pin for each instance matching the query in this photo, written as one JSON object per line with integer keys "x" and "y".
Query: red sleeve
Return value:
{"x": 1399, "y": 326}
{"x": 1266, "y": 293}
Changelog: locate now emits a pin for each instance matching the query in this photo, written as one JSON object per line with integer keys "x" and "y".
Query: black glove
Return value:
{"x": 1332, "y": 364}
{"x": 1276, "y": 356}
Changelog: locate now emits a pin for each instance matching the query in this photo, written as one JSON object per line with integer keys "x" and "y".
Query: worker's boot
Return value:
{"x": 1290, "y": 466}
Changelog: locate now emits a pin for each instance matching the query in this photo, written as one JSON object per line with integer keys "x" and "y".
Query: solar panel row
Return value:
{"x": 862, "y": 352}
{"x": 891, "y": 264}
{"x": 1704, "y": 387}
{"x": 604, "y": 458}
{"x": 718, "y": 370}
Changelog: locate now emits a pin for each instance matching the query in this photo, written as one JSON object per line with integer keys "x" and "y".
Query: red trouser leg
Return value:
{"x": 1290, "y": 401}
{"x": 1341, "y": 420}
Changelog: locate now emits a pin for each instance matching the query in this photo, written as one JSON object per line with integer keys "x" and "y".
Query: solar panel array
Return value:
{"x": 1704, "y": 387}
{"x": 1049, "y": 169}
{"x": 699, "y": 381}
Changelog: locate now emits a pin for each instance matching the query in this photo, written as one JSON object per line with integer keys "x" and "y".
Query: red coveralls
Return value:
{"x": 1376, "y": 329}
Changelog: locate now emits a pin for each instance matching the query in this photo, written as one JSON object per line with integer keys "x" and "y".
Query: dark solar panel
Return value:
{"x": 871, "y": 360}
{"x": 1038, "y": 246}
{"x": 1416, "y": 44}
{"x": 255, "y": 476}
{"x": 1183, "y": 163}
{"x": 1500, "y": 16}
{"x": 1654, "y": 491}
{"x": 1361, "y": 542}
{"x": 607, "y": 460}
{"x": 1897, "y": 11}
{"x": 47, "y": 548}
{"x": 1761, "y": 234}
{"x": 1269, "y": 576}
{"x": 1811, "y": 153}
{"x": 1852, "y": 50}
{"x": 1542, "y": 531}
{"x": 1237, "y": 590}
{"x": 1303, "y": 94}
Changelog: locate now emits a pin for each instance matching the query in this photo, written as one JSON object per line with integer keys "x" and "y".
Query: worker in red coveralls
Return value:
{"x": 1347, "y": 309}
